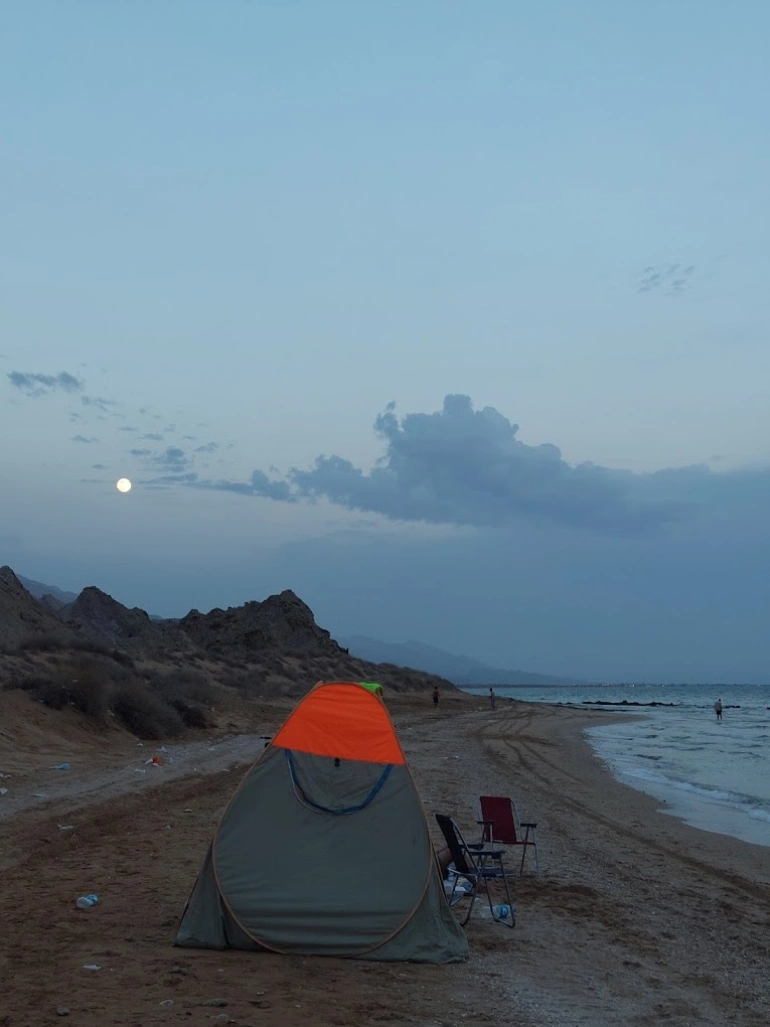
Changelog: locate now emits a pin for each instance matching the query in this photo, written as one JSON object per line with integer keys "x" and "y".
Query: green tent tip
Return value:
{"x": 373, "y": 686}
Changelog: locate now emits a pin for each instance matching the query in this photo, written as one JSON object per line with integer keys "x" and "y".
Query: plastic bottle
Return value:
{"x": 501, "y": 912}
{"x": 86, "y": 901}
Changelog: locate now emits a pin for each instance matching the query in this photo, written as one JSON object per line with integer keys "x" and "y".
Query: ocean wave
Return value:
{"x": 748, "y": 804}
{"x": 655, "y": 777}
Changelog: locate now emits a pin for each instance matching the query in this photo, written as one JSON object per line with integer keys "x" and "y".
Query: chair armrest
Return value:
{"x": 524, "y": 823}
{"x": 486, "y": 822}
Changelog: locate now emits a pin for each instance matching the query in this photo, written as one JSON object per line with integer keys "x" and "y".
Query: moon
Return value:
{"x": 123, "y": 485}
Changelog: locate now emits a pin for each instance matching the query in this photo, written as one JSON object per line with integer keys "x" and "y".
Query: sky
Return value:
{"x": 451, "y": 317}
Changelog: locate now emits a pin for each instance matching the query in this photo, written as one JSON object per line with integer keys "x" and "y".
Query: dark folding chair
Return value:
{"x": 500, "y": 825}
{"x": 472, "y": 863}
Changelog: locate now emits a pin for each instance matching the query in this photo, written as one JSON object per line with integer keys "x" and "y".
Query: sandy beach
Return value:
{"x": 636, "y": 920}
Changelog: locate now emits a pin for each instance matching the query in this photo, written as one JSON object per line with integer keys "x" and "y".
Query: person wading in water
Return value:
{"x": 718, "y": 709}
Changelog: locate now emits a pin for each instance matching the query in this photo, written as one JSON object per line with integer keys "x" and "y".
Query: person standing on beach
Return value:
{"x": 492, "y": 698}
{"x": 436, "y": 696}
{"x": 718, "y": 709}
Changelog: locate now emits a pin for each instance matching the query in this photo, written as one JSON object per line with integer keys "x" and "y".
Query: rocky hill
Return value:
{"x": 268, "y": 647}
{"x": 96, "y": 616}
{"x": 281, "y": 622}
{"x": 23, "y": 618}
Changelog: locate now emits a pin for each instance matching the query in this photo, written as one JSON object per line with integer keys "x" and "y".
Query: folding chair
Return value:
{"x": 501, "y": 826}
{"x": 470, "y": 862}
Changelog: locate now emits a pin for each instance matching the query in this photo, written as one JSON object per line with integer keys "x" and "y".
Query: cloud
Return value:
{"x": 258, "y": 485}
{"x": 83, "y": 438}
{"x": 461, "y": 466}
{"x": 670, "y": 279}
{"x": 152, "y": 436}
{"x": 127, "y": 427}
{"x": 140, "y": 452}
{"x": 106, "y": 406}
{"x": 167, "y": 481}
{"x": 34, "y": 385}
{"x": 208, "y": 447}
{"x": 172, "y": 459}
{"x": 99, "y": 467}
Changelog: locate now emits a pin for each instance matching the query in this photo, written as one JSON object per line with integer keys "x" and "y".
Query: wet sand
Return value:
{"x": 637, "y": 919}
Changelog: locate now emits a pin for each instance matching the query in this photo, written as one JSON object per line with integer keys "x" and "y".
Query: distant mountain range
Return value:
{"x": 461, "y": 670}
{"x": 38, "y": 590}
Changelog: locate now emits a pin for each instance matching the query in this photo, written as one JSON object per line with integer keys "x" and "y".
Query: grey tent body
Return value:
{"x": 325, "y": 855}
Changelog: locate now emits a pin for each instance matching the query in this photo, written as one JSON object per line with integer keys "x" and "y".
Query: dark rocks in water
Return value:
{"x": 625, "y": 702}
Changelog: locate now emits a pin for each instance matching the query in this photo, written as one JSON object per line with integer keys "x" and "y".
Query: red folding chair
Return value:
{"x": 500, "y": 825}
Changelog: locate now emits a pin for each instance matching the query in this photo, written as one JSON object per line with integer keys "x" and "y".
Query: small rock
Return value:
{"x": 179, "y": 970}
{"x": 166, "y": 1002}
{"x": 219, "y": 1002}
{"x": 62, "y": 1011}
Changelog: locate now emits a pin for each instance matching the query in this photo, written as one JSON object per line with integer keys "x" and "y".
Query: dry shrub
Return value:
{"x": 192, "y": 716}
{"x": 41, "y": 644}
{"x": 145, "y": 714}
{"x": 187, "y": 683}
{"x": 82, "y": 686}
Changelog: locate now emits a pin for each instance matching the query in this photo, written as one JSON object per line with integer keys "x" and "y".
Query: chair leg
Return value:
{"x": 533, "y": 842}
{"x": 504, "y": 877}
{"x": 474, "y": 892}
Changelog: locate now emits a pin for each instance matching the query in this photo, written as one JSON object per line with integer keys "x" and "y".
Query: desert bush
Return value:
{"x": 83, "y": 687}
{"x": 41, "y": 644}
{"x": 85, "y": 645}
{"x": 232, "y": 679}
{"x": 145, "y": 713}
{"x": 192, "y": 716}
{"x": 186, "y": 684}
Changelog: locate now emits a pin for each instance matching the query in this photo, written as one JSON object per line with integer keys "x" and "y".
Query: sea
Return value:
{"x": 713, "y": 774}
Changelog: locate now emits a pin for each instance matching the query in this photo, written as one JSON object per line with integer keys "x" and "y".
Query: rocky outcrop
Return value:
{"x": 22, "y": 618}
{"x": 282, "y": 622}
{"x": 101, "y": 619}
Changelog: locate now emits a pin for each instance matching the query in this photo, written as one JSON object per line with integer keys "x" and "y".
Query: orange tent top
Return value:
{"x": 343, "y": 720}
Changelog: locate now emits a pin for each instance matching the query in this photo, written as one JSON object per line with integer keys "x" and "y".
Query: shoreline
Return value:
{"x": 714, "y": 808}
{"x": 636, "y": 919}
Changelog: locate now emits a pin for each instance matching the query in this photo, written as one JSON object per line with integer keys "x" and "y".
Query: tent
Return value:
{"x": 324, "y": 848}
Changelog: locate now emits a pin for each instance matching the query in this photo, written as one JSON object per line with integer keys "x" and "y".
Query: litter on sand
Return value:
{"x": 61, "y": 766}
